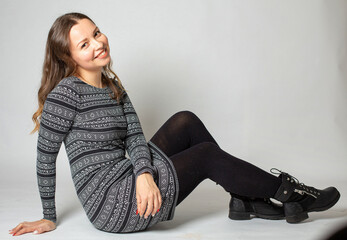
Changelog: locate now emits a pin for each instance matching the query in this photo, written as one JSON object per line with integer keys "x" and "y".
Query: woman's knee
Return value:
{"x": 207, "y": 147}
{"x": 185, "y": 117}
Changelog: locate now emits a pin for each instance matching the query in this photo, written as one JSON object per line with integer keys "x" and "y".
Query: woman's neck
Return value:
{"x": 92, "y": 78}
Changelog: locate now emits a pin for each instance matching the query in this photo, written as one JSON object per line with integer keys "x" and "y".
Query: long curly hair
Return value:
{"x": 58, "y": 63}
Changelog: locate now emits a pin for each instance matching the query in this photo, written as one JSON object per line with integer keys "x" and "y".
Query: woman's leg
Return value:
{"x": 181, "y": 131}
{"x": 207, "y": 160}
{"x": 197, "y": 156}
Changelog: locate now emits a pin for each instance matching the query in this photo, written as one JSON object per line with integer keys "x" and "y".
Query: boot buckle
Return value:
{"x": 299, "y": 191}
{"x": 303, "y": 192}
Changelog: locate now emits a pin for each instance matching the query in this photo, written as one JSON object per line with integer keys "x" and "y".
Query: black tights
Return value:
{"x": 197, "y": 156}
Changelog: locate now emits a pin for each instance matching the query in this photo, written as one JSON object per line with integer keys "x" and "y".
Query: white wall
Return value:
{"x": 267, "y": 77}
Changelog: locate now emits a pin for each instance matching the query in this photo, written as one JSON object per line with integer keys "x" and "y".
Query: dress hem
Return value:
{"x": 175, "y": 176}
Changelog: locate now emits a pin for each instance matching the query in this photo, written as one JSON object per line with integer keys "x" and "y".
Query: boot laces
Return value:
{"x": 302, "y": 189}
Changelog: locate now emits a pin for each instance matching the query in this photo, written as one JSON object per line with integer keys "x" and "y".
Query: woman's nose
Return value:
{"x": 97, "y": 44}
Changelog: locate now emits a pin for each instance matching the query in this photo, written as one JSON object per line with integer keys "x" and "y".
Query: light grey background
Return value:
{"x": 267, "y": 77}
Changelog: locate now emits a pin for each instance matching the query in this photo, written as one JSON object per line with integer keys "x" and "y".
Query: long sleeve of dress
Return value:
{"x": 58, "y": 113}
{"x": 135, "y": 142}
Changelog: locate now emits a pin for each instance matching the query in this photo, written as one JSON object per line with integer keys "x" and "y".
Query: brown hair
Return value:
{"x": 58, "y": 63}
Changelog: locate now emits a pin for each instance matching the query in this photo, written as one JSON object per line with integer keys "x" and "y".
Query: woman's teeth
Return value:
{"x": 103, "y": 53}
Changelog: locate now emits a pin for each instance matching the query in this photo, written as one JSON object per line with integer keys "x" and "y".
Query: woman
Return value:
{"x": 83, "y": 104}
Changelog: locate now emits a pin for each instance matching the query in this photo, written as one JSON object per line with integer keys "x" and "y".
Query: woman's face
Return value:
{"x": 89, "y": 47}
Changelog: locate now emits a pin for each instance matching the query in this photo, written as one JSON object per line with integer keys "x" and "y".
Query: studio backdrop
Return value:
{"x": 268, "y": 78}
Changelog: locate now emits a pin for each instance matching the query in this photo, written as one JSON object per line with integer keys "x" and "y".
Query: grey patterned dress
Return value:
{"x": 96, "y": 132}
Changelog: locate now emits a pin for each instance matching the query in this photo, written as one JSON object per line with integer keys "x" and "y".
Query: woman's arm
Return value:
{"x": 135, "y": 142}
{"x": 57, "y": 117}
{"x": 147, "y": 193}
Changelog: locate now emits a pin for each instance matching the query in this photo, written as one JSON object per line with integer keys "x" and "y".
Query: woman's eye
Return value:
{"x": 83, "y": 45}
{"x": 97, "y": 33}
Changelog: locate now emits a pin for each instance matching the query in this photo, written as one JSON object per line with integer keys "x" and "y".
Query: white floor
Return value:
{"x": 203, "y": 215}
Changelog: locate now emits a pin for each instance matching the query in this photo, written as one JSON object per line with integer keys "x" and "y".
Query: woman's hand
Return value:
{"x": 147, "y": 195}
{"x": 36, "y": 227}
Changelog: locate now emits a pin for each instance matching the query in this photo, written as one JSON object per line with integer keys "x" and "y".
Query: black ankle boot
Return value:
{"x": 299, "y": 199}
{"x": 241, "y": 208}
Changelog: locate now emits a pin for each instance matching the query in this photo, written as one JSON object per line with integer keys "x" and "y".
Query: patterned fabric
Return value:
{"x": 96, "y": 131}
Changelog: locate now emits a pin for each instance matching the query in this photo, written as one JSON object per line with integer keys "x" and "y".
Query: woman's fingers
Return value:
{"x": 36, "y": 227}
{"x": 150, "y": 204}
{"x": 143, "y": 206}
{"x": 156, "y": 205}
{"x": 22, "y": 228}
{"x": 148, "y": 195}
{"x": 138, "y": 201}
{"x": 17, "y": 228}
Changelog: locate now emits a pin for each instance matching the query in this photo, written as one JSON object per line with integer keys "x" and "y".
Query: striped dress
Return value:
{"x": 96, "y": 131}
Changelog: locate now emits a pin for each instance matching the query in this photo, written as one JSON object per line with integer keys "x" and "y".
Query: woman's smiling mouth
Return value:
{"x": 102, "y": 54}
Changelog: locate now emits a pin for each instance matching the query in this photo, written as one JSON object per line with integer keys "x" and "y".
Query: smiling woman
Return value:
{"x": 83, "y": 104}
{"x": 90, "y": 50}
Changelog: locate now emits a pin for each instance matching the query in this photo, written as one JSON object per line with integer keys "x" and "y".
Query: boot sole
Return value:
{"x": 247, "y": 216}
{"x": 295, "y": 214}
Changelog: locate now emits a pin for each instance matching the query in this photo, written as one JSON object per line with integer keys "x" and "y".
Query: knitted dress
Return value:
{"x": 96, "y": 131}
